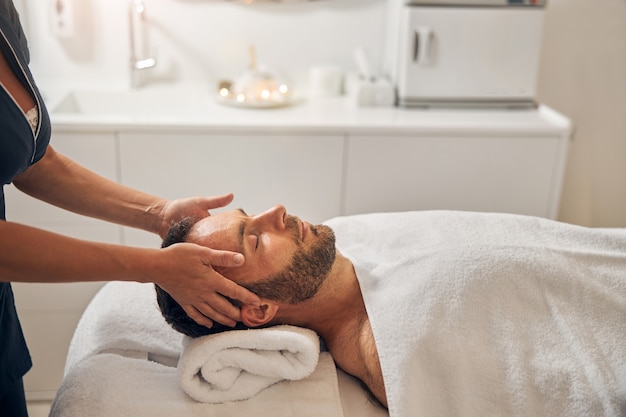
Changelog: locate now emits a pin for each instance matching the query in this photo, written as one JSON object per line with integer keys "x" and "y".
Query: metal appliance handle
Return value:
{"x": 422, "y": 45}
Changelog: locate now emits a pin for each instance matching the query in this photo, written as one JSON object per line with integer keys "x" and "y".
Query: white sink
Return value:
{"x": 168, "y": 105}
{"x": 149, "y": 103}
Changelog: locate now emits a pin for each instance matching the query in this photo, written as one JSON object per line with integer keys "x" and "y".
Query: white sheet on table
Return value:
{"x": 108, "y": 385}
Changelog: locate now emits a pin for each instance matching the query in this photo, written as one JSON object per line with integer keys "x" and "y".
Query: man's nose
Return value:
{"x": 274, "y": 216}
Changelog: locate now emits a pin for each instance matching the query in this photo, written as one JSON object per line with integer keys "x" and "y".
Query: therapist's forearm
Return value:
{"x": 33, "y": 255}
{"x": 64, "y": 183}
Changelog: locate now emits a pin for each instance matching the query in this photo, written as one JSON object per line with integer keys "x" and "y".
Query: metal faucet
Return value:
{"x": 140, "y": 60}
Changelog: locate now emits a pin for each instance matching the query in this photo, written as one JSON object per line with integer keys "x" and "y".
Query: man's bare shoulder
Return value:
{"x": 368, "y": 353}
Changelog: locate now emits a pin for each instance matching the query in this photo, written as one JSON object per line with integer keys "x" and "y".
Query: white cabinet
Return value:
{"x": 481, "y": 173}
{"x": 97, "y": 151}
{"x": 49, "y": 312}
{"x": 301, "y": 171}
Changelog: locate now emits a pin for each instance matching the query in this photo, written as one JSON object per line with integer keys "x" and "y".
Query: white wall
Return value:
{"x": 202, "y": 41}
{"x": 583, "y": 75}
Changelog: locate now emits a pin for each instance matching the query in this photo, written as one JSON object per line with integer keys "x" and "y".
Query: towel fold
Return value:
{"x": 237, "y": 365}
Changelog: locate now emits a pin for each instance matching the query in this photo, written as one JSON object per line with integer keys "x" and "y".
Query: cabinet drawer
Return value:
{"x": 302, "y": 172}
{"x": 95, "y": 151}
{"x": 502, "y": 174}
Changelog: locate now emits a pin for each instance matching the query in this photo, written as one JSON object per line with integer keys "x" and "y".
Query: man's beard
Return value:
{"x": 308, "y": 269}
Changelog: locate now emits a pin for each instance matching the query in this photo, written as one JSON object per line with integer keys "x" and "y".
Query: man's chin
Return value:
{"x": 322, "y": 229}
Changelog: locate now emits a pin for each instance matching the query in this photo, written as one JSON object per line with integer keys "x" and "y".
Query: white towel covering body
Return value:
{"x": 478, "y": 314}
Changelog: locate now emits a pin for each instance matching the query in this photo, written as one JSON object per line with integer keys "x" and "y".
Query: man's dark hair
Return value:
{"x": 171, "y": 310}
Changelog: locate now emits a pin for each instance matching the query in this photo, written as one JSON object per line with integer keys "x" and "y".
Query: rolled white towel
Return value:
{"x": 236, "y": 365}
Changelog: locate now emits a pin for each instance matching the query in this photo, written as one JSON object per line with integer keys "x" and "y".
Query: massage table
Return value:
{"x": 122, "y": 362}
{"x": 473, "y": 314}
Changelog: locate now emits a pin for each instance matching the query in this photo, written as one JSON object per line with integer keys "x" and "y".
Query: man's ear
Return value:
{"x": 258, "y": 316}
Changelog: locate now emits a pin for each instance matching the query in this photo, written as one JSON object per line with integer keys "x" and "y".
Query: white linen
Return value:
{"x": 122, "y": 362}
{"x": 236, "y": 365}
{"x": 111, "y": 385}
{"x": 479, "y": 314}
{"x": 123, "y": 317}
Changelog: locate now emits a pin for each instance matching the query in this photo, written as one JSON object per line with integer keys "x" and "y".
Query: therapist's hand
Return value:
{"x": 188, "y": 276}
{"x": 198, "y": 207}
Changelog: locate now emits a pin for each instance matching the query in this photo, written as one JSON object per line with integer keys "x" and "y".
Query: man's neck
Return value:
{"x": 335, "y": 310}
{"x": 337, "y": 313}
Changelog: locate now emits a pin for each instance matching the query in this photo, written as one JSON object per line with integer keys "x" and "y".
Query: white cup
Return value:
{"x": 325, "y": 81}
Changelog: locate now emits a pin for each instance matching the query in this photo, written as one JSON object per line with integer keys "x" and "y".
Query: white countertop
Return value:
{"x": 180, "y": 108}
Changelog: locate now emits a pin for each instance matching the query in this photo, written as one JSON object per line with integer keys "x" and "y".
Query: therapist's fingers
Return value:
{"x": 207, "y": 313}
{"x": 219, "y": 201}
{"x": 197, "y": 316}
{"x": 225, "y": 286}
{"x": 214, "y": 305}
{"x": 215, "y": 309}
{"x": 235, "y": 291}
{"x": 220, "y": 310}
{"x": 187, "y": 274}
{"x": 223, "y": 258}
{"x": 195, "y": 207}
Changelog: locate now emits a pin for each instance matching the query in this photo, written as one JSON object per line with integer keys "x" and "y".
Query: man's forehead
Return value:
{"x": 217, "y": 226}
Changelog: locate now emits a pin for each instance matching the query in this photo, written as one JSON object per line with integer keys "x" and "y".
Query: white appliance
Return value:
{"x": 482, "y": 53}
